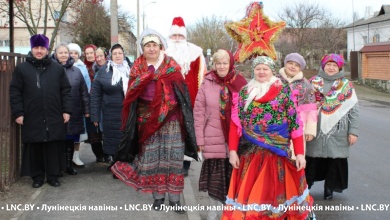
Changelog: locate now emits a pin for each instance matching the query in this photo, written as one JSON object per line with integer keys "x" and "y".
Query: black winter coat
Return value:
{"x": 80, "y": 98}
{"x": 108, "y": 98}
{"x": 40, "y": 91}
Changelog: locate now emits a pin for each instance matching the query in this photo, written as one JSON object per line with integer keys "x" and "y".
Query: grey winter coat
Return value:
{"x": 335, "y": 143}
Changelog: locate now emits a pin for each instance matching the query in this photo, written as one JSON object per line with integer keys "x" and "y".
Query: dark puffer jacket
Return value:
{"x": 109, "y": 99}
{"x": 40, "y": 91}
{"x": 80, "y": 97}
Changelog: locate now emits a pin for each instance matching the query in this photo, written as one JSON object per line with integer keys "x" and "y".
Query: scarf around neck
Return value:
{"x": 257, "y": 89}
{"x": 289, "y": 79}
{"x": 161, "y": 107}
{"x": 119, "y": 72}
{"x": 335, "y": 103}
{"x": 231, "y": 83}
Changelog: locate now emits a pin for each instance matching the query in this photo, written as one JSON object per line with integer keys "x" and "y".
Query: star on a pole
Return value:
{"x": 255, "y": 34}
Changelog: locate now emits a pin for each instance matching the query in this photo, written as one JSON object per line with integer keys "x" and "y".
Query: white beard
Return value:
{"x": 178, "y": 49}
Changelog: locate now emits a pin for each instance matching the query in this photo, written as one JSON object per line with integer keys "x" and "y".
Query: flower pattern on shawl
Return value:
{"x": 340, "y": 91}
{"x": 269, "y": 123}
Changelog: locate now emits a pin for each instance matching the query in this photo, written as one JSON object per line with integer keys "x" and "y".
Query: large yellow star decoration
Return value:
{"x": 255, "y": 34}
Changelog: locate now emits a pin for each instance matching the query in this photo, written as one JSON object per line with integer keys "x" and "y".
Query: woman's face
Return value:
{"x": 100, "y": 58}
{"x": 263, "y": 73}
{"x": 117, "y": 55}
{"x": 62, "y": 54}
{"x": 222, "y": 66}
{"x": 151, "y": 51}
{"x": 292, "y": 68}
{"x": 74, "y": 55}
{"x": 90, "y": 54}
{"x": 331, "y": 68}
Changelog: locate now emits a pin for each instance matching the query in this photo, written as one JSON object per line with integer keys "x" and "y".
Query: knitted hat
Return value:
{"x": 263, "y": 60}
{"x": 39, "y": 40}
{"x": 339, "y": 59}
{"x": 75, "y": 47}
{"x": 178, "y": 27}
{"x": 296, "y": 57}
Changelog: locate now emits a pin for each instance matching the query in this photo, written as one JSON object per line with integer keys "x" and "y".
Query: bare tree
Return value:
{"x": 38, "y": 15}
{"x": 209, "y": 33}
{"x": 310, "y": 30}
{"x": 92, "y": 25}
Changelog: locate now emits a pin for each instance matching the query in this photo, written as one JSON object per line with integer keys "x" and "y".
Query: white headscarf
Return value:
{"x": 257, "y": 90}
{"x": 119, "y": 71}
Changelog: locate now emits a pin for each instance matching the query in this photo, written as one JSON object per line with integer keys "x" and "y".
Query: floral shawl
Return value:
{"x": 161, "y": 107}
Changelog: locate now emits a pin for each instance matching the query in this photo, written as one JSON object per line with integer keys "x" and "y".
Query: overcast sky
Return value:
{"x": 159, "y": 15}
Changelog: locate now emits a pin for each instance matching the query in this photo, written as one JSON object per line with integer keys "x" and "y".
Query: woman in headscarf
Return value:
{"x": 94, "y": 132}
{"x": 337, "y": 128}
{"x": 158, "y": 122}
{"x": 80, "y": 104}
{"x": 212, "y": 113}
{"x": 266, "y": 183}
{"x": 108, "y": 92}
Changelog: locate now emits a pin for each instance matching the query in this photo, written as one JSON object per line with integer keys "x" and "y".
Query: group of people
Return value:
{"x": 264, "y": 142}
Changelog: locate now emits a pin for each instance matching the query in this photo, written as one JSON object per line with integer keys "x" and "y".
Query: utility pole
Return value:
{"x": 11, "y": 26}
{"x": 138, "y": 21}
{"x": 114, "y": 21}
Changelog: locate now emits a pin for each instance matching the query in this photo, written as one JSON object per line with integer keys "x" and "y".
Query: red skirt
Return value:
{"x": 267, "y": 186}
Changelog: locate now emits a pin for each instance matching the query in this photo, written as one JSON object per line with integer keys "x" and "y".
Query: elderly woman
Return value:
{"x": 266, "y": 183}
{"x": 101, "y": 58}
{"x": 212, "y": 113}
{"x": 94, "y": 132}
{"x": 75, "y": 53}
{"x": 158, "y": 121}
{"x": 80, "y": 104}
{"x": 292, "y": 75}
{"x": 338, "y": 127}
{"x": 108, "y": 92}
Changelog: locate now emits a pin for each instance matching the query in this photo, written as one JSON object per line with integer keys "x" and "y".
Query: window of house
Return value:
{"x": 57, "y": 15}
{"x": 365, "y": 39}
{"x": 376, "y": 38}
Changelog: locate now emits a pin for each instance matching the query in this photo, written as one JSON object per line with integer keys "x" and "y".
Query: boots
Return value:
{"x": 68, "y": 158}
{"x": 76, "y": 159}
{"x": 97, "y": 149}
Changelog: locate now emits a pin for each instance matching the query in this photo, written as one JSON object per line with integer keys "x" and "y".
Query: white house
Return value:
{"x": 370, "y": 29}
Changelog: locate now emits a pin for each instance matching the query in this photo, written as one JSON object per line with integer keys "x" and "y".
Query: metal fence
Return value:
{"x": 10, "y": 142}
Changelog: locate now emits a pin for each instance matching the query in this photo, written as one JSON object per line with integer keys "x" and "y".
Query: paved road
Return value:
{"x": 94, "y": 187}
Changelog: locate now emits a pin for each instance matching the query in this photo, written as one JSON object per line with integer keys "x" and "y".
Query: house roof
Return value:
{"x": 376, "y": 47}
{"x": 382, "y": 15}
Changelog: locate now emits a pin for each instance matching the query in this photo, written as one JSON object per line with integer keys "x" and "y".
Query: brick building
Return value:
{"x": 375, "y": 71}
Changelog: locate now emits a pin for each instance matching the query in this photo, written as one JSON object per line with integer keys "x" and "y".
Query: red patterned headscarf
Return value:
{"x": 232, "y": 82}
{"x": 339, "y": 59}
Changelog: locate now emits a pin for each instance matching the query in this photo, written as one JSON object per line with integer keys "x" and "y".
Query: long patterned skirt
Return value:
{"x": 158, "y": 166}
{"x": 267, "y": 186}
{"x": 215, "y": 177}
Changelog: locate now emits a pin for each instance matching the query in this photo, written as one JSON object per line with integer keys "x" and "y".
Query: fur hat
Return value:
{"x": 339, "y": 59}
{"x": 39, "y": 40}
{"x": 75, "y": 47}
{"x": 178, "y": 27}
{"x": 296, "y": 57}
